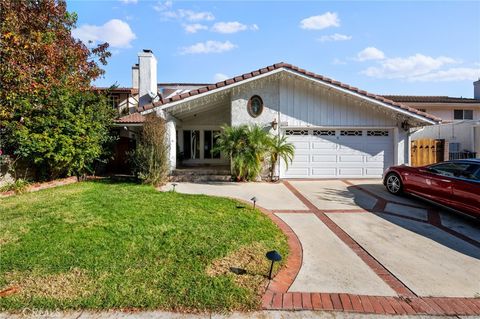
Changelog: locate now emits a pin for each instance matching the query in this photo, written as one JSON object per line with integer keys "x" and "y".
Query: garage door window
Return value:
{"x": 324, "y": 133}
{"x": 297, "y": 132}
{"x": 351, "y": 133}
{"x": 377, "y": 133}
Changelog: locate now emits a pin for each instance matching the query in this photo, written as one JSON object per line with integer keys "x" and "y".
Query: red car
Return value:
{"x": 453, "y": 184}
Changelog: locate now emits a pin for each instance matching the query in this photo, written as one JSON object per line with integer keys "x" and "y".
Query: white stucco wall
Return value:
{"x": 457, "y": 132}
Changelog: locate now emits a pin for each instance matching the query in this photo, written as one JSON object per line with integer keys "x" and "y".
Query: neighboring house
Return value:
{"x": 460, "y": 126}
{"x": 338, "y": 131}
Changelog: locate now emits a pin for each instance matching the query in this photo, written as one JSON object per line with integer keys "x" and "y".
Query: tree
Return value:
{"x": 150, "y": 158}
{"x": 45, "y": 77}
{"x": 279, "y": 148}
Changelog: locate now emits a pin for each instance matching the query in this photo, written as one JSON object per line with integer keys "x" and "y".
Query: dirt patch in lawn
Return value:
{"x": 247, "y": 266}
{"x": 60, "y": 286}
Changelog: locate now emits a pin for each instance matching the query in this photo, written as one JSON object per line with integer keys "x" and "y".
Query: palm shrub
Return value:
{"x": 150, "y": 158}
{"x": 279, "y": 148}
{"x": 246, "y": 147}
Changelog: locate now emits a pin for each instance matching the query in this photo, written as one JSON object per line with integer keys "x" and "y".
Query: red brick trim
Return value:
{"x": 372, "y": 304}
{"x": 286, "y": 276}
{"x": 300, "y": 196}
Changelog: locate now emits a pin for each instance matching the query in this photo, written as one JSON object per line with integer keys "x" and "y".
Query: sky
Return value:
{"x": 384, "y": 47}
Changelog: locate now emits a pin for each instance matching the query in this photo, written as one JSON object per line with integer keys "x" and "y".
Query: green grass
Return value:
{"x": 103, "y": 245}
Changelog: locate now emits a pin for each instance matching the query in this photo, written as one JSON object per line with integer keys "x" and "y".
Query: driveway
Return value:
{"x": 356, "y": 239}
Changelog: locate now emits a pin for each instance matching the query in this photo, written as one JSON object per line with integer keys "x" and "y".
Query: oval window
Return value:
{"x": 255, "y": 106}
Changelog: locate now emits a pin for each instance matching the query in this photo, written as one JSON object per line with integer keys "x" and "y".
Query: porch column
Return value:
{"x": 171, "y": 136}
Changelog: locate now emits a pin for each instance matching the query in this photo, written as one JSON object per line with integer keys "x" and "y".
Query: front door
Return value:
{"x": 197, "y": 147}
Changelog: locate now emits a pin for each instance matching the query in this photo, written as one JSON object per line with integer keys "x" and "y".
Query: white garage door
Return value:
{"x": 339, "y": 153}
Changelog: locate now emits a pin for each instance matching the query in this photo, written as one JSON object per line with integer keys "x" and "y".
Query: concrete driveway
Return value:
{"x": 358, "y": 239}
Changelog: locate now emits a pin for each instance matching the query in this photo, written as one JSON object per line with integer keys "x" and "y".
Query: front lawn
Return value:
{"x": 103, "y": 245}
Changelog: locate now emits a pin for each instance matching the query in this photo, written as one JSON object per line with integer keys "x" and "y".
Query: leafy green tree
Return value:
{"x": 48, "y": 117}
{"x": 66, "y": 138}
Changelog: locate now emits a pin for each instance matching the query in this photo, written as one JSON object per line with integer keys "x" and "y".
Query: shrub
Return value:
{"x": 246, "y": 147}
{"x": 150, "y": 158}
{"x": 19, "y": 186}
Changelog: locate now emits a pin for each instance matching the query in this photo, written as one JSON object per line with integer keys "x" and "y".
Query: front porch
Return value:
{"x": 196, "y": 130}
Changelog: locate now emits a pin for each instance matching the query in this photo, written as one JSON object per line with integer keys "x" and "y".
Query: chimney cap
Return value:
{"x": 147, "y": 51}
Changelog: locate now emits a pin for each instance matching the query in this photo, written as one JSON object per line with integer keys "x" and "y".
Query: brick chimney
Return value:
{"x": 147, "y": 79}
{"x": 476, "y": 89}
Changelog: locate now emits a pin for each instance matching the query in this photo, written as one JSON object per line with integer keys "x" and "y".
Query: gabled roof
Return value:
{"x": 430, "y": 99}
{"x": 295, "y": 69}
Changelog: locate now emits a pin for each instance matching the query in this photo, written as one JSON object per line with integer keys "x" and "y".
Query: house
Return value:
{"x": 460, "y": 127}
{"x": 338, "y": 131}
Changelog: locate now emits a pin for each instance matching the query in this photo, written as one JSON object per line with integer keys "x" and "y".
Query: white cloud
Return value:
{"x": 452, "y": 74}
{"x": 229, "y": 27}
{"x": 129, "y": 1}
{"x": 189, "y": 15}
{"x": 326, "y": 20}
{"x": 370, "y": 53}
{"x": 232, "y": 27}
{"x": 209, "y": 47}
{"x": 162, "y": 5}
{"x": 194, "y": 28}
{"x": 116, "y": 32}
{"x": 219, "y": 77}
{"x": 335, "y": 37}
{"x": 411, "y": 67}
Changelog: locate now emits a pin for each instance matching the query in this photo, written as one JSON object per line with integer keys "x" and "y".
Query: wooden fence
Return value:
{"x": 427, "y": 151}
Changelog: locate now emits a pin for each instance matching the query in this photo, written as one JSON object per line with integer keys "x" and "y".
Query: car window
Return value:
{"x": 460, "y": 170}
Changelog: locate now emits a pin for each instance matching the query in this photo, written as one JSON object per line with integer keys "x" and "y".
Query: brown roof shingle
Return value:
{"x": 429, "y": 99}
{"x": 295, "y": 69}
{"x": 131, "y": 119}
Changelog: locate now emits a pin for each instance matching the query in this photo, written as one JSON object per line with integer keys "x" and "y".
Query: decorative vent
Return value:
{"x": 377, "y": 133}
{"x": 351, "y": 133}
{"x": 297, "y": 132}
{"x": 324, "y": 133}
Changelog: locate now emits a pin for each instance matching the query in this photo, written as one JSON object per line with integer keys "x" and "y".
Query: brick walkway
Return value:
{"x": 277, "y": 296}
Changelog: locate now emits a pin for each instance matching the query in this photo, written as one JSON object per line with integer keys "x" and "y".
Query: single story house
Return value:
{"x": 338, "y": 131}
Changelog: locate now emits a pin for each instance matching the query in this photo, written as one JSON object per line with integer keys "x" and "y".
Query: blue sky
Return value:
{"x": 416, "y": 48}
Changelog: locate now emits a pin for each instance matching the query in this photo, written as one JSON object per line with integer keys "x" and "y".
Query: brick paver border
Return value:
{"x": 277, "y": 296}
{"x": 39, "y": 186}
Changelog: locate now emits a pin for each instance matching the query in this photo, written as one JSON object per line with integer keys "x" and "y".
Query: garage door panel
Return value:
{"x": 322, "y": 156}
{"x": 297, "y": 172}
{"x": 350, "y": 171}
{"x": 373, "y": 172}
{"x": 324, "y": 159}
{"x": 324, "y": 172}
{"x": 350, "y": 158}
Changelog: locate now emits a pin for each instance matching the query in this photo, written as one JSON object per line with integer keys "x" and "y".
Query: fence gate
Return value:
{"x": 426, "y": 151}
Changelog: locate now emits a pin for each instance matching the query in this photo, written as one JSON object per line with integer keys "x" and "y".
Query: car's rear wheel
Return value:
{"x": 394, "y": 184}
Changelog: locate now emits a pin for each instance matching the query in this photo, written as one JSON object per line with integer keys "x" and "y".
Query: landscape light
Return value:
{"x": 273, "y": 256}
{"x": 254, "y": 200}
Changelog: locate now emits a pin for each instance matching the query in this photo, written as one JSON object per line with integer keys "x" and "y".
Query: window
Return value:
{"x": 377, "y": 133}
{"x": 324, "y": 133}
{"x": 255, "y": 106}
{"x": 459, "y": 170}
{"x": 209, "y": 142}
{"x": 351, "y": 133}
{"x": 114, "y": 101}
{"x": 191, "y": 144}
{"x": 296, "y": 132}
{"x": 463, "y": 114}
